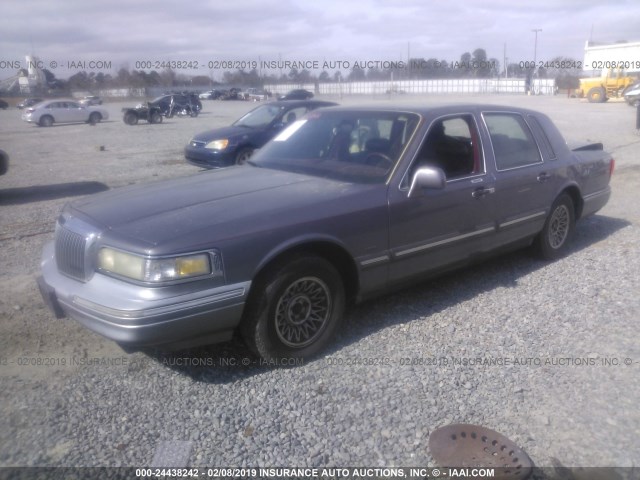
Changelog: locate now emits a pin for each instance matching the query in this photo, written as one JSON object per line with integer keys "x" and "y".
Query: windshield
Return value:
{"x": 161, "y": 97}
{"x": 356, "y": 146}
{"x": 259, "y": 117}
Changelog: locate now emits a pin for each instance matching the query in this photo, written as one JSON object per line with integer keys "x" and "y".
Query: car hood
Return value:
{"x": 633, "y": 91}
{"x": 224, "y": 132}
{"x": 194, "y": 212}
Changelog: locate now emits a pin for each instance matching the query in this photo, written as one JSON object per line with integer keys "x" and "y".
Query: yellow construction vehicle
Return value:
{"x": 611, "y": 84}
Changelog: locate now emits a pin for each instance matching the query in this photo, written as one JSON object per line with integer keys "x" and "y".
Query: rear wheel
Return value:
{"x": 155, "y": 118}
{"x": 296, "y": 310}
{"x": 46, "y": 121}
{"x": 596, "y": 95}
{"x": 130, "y": 118}
{"x": 552, "y": 242}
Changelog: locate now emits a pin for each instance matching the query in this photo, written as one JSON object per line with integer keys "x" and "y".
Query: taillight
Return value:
{"x": 612, "y": 166}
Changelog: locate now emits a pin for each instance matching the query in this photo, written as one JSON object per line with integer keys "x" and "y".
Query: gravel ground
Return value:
{"x": 562, "y": 332}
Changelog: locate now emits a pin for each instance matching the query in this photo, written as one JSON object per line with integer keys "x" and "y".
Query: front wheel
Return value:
{"x": 553, "y": 240}
{"x": 296, "y": 309}
{"x": 94, "y": 118}
{"x": 243, "y": 155}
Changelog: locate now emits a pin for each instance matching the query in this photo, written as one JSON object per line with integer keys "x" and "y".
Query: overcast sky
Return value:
{"x": 124, "y": 32}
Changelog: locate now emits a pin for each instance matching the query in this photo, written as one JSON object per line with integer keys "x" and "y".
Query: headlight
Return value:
{"x": 217, "y": 144}
{"x": 158, "y": 270}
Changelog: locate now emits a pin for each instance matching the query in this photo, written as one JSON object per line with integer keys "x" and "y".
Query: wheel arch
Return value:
{"x": 576, "y": 196}
{"x": 246, "y": 145}
{"x": 328, "y": 249}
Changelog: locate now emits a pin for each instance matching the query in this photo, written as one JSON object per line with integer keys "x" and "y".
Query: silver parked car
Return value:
{"x": 340, "y": 206}
{"x": 49, "y": 112}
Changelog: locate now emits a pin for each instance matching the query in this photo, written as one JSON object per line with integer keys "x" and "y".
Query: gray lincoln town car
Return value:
{"x": 341, "y": 205}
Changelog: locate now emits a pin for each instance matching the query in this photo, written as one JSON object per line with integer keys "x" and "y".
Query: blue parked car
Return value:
{"x": 234, "y": 145}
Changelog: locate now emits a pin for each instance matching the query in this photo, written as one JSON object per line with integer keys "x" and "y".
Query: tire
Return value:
{"x": 155, "y": 118}
{"x": 130, "y": 118}
{"x": 597, "y": 95}
{"x": 552, "y": 242}
{"x": 243, "y": 155}
{"x": 295, "y": 310}
{"x": 94, "y": 118}
{"x": 4, "y": 163}
{"x": 46, "y": 121}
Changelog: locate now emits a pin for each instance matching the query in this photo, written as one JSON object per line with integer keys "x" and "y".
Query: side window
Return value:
{"x": 512, "y": 141}
{"x": 452, "y": 144}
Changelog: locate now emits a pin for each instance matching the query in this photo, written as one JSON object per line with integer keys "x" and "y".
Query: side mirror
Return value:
{"x": 427, "y": 177}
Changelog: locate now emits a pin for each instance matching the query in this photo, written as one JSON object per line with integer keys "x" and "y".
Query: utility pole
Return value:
{"x": 504, "y": 59}
{"x": 535, "y": 46}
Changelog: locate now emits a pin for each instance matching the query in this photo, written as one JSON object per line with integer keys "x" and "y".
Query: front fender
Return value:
{"x": 299, "y": 243}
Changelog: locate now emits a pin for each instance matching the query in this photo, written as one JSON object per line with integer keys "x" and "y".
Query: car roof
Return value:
{"x": 61, "y": 100}
{"x": 438, "y": 110}
{"x": 302, "y": 103}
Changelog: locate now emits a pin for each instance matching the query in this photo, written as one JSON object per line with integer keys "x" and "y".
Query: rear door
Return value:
{"x": 58, "y": 111}
{"x": 525, "y": 183}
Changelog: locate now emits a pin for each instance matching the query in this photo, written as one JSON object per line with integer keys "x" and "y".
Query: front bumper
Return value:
{"x": 187, "y": 314}
{"x": 204, "y": 157}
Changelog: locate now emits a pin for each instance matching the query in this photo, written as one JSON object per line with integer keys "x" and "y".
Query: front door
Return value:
{"x": 443, "y": 226}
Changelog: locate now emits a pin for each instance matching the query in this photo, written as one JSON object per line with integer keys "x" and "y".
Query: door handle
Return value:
{"x": 482, "y": 191}
{"x": 543, "y": 177}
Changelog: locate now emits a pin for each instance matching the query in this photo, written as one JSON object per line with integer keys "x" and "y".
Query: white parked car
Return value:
{"x": 49, "y": 112}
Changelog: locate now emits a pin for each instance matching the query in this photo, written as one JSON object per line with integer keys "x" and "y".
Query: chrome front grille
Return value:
{"x": 70, "y": 253}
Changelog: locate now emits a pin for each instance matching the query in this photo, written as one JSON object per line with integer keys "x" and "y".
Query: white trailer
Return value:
{"x": 616, "y": 56}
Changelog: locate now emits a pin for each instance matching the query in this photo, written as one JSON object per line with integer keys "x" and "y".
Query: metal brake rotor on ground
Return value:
{"x": 472, "y": 446}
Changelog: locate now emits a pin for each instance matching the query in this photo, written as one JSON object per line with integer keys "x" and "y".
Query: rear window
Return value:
{"x": 541, "y": 136}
